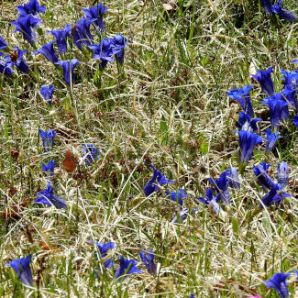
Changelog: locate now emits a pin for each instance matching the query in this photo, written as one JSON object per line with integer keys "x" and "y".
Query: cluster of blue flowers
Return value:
{"x": 277, "y": 9}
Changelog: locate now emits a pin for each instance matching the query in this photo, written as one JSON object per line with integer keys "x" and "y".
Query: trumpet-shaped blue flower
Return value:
{"x": 242, "y": 96}
{"x": 90, "y": 153}
{"x": 17, "y": 59}
{"x": 177, "y": 196}
{"x": 245, "y": 122}
{"x": 289, "y": 94}
{"x": 103, "y": 51}
{"x": 22, "y": 268}
{"x": 147, "y": 258}
{"x": 283, "y": 13}
{"x": 274, "y": 197}
{"x": 24, "y": 24}
{"x": 283, "y": 174}
{"x": 47, "y": 92}
{"x": 261, "y": 172}
{"x": 265, "y": 80}
{"x": 272, "y": 138}
{"x": 247, "y": 142}
{"x": 48, "y": 198}
{"x": 61, "y": 37}
{"x": 279, "y": 283}
{"x": 295, "y": 120}
{"x": 233, "y": 177}
{"x": 211, "y": 200}
{"x": 289, "y": 77}
{"x": 127, "y": 267}
{"x": 119, "y": 43}
{"x": 104, "y": 249}
{"x": 47, "y": 50}
{"x": 95, "y": 14}
{"x": 49, "y": 167}
{"x": 68, "y": 67}
{"x": 32, "y": 7}
{"x": 158, "y": 178}
{"x": 81, "y": 33}
{"x": 3, "y": 43}
{"x": 47, "y": 138}
{"x": 6, "y": 66}
{"x": 267, "y": 5}
{"x": 278, "y": 107}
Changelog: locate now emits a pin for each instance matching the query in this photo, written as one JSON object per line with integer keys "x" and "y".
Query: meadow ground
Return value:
{"x": 168, "y": 106}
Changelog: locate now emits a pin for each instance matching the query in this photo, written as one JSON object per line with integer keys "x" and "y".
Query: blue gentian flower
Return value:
{"x": 245, "y": 122}
{"x": 289, "y": 77}
{"x": 3, "y": 44}
{"x": 211, "y": 200}
{"x": 22, "y": 268}
{"x": 81, "y": 33}
{"x": 272, "y": 138}
{"x": 47, "y": 50}
{"x": 6, "y": 66}
{"x": 24, "y": 24}
{"x": 261, "y": 172}
{"x": 265, "y": 80}
{"x": 103, "y": 249}
{"x": 242, "y": 96}
{"x": 95, "y": 14}
{"x": 158, "y": 178}
{"x": 47, "y": 92}
{"x": 49, "y": 168}
{"x": 183, "y": 213}
{"x": 91, "y": 153}
{"x": 289, "y": 94}
{"x": 267, "y": 5}
{"x": 192, "y": 296}
{"x": 48, "y": 198}
{"x": 32, "y": 7}
{"x": 103, "y": 51}
{"x": 68, "y": 67}
{"x": 61, "y": 38}
{"x": 274, "y": 197}
{"x": 279, "y": 283}
{"x": 247, "y": 142}
{"x": 47, "y": 138}
{"x": 177, "y": 196}
{"x": 283, "y": 13}
{"x": 221, "y": 185}
{"x": 119, "y": 43}
{"x": 147, "y": 258}
{"x": 17, "y": 59}
{"x": 233, "y": 177}
{"x": 279, "y": 109}
{"x": 295, "y": 120}
{"x": 283, "y": 174}
{"x": 127, "y": 267}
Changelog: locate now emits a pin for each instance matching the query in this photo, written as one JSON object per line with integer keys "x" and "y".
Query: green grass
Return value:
{"x": 171, "y": 109}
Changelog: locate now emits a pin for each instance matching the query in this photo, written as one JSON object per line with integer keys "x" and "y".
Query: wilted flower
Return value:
{"x": 279, "y": 283}
{"x": 246, "y": 123}
{"x": 265, "y": 80}
{"x": 211, "y": 200}
{"x": 91, "y": 153}
{"x": 61, "y": 38}
{"x": 47, "y": 138}
{"x": 278, "y": 107}
{"x": 81, "y": 33}
{"x": 247, "y": 141}
{"x": 283, "y": 13}
{"x": 158, "y": 179}
{"x": 3, "y": 44}
{"x": 242, "y": 96}
{"x": 68, "y": 67}
{"x": 272, "y": 138}
{"x": 177, "y": 196}
{"x": 103, "y": 51}
{"x": 127, "y": 267}
{"x": 283, "y": 174}
{"x": 95, "y": 14}
{"x": 47, "y": 197}
{"x": 22, "y": 268}
{"x": 103, "y": 249}
{"x": 147, "y": 258}
{"x": 47, "y": 92}
{"x": 24, "y": 24}
{"x": 47, "y": 50}
{"x": 49, "y": 167}
{"x": 119, "y": 43}
{"x": 32, "y": 7}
